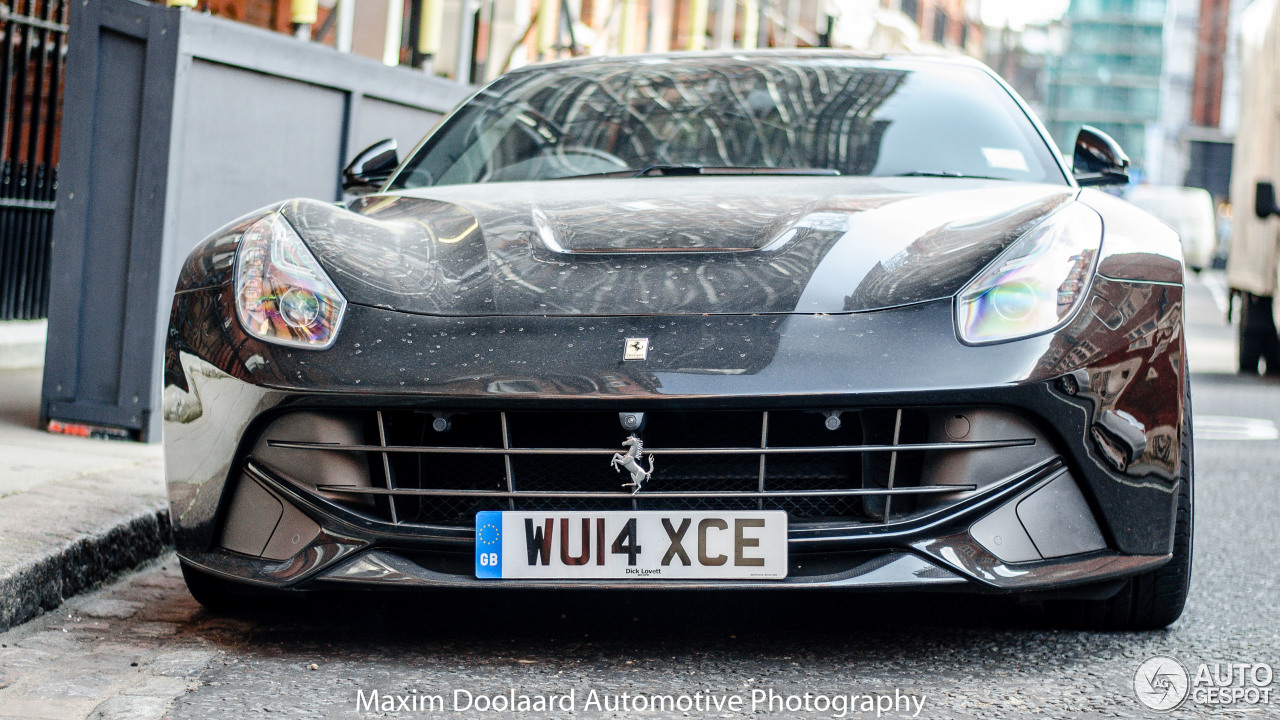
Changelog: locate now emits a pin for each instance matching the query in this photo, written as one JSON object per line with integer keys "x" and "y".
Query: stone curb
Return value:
{"x": 60, "y": 571}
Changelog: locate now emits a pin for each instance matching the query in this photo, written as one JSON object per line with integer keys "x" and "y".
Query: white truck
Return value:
{"x": 1255, "y": 233}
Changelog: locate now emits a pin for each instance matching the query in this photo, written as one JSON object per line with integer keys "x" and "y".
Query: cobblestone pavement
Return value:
{"x": 141, "y": 648}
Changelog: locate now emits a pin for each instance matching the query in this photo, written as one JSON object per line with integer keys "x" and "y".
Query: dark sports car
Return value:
{"x": 748, "y": 320}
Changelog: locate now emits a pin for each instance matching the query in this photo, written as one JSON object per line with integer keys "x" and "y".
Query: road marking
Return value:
{"x": 1225, "y": 427}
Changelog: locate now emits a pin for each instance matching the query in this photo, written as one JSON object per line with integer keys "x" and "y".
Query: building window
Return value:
{"x": 911, "y": 8}
{"x": 940, "y": 26}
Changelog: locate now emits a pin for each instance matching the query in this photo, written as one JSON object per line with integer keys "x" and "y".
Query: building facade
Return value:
{"x": 1206, "y": 141}
{"x": 1165, "y": 143}
{"x": 1109, "y": 74}
{"x": 477, "y": 40}
{"x": 1025, "y": 57}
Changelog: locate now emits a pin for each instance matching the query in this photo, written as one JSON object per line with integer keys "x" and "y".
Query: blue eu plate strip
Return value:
{"x": 489, "y": 544}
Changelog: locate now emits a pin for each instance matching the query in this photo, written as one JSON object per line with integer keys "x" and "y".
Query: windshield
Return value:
{"x": 657, "y": 116}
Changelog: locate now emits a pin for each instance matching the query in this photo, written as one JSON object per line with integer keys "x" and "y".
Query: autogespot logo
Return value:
{"x": 1161, "y": 683}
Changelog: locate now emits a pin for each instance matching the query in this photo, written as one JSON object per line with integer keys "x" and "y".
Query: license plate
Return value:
{"x": 632, "y": 545}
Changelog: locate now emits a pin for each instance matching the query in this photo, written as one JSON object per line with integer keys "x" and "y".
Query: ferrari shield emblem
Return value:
{"x": 636, "y": 349}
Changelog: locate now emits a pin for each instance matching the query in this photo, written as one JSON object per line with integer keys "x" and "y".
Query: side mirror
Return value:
{"x": 371, "y": 168}
{"x": 1264, "y": 203}
{"x": 1099, "y": 159}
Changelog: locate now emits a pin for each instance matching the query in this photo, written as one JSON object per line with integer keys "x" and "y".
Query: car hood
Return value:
{"x": 670, "y": 245}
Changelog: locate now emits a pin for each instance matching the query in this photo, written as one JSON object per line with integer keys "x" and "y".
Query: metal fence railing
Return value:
{"x": 33, "y": 45}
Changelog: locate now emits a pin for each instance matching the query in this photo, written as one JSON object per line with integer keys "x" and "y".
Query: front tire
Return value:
{"x": 1150, "y": 601}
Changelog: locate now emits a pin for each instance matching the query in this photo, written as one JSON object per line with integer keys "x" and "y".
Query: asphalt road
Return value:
{"x": 152, "y": 652}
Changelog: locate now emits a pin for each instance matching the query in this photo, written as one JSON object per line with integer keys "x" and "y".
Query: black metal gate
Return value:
{"x": 32, "y": 53}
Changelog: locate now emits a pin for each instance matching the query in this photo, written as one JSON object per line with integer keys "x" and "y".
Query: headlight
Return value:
{"x": 1035, "y": 285}
{"x": 282, "y": 294}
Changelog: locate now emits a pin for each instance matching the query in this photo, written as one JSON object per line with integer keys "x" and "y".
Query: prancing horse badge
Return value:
{"x": 635, "y": 349}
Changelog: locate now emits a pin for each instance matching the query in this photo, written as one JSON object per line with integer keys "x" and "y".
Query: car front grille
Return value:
{"x": 441, "y": 468}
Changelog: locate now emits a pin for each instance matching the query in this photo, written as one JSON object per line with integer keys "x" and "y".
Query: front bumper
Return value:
{"x": 1120, "y": 358}
{"x": 930, "y": 553}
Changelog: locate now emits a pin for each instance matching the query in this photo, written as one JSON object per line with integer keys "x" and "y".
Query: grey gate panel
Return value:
{"x": 174, "y": 123}
{"x": 387, "y": 119}
{"x": 280, "y": 134}
{"x": 106, "y": 253}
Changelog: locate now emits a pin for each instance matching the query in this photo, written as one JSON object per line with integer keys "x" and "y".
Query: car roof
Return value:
{"x": 711, "y": 57}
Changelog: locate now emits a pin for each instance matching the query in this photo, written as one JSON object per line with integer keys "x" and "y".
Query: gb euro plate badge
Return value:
{"x": 632, "y": 545}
